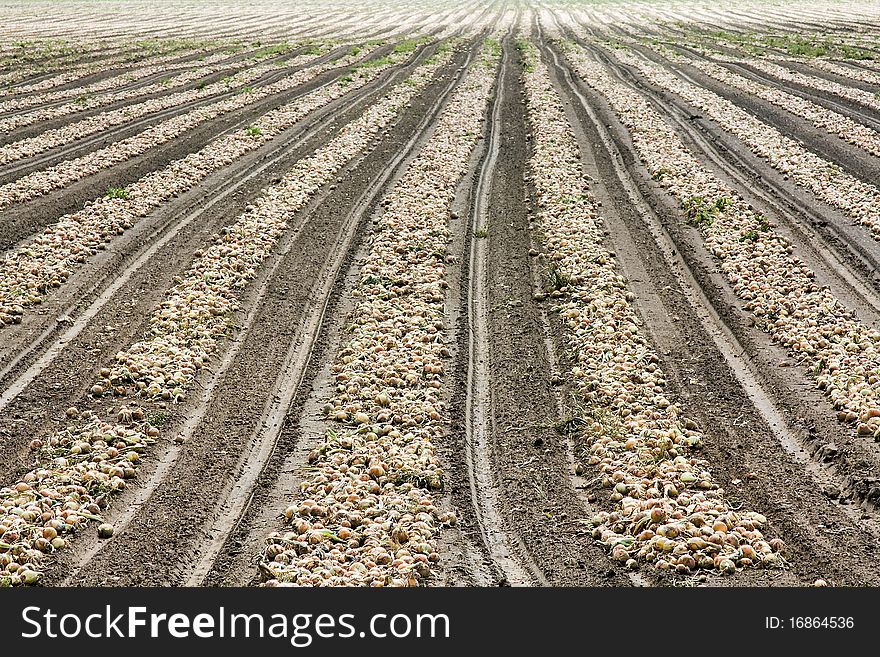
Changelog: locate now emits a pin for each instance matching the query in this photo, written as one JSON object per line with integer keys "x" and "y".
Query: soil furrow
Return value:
{"x": 481, "y": 419}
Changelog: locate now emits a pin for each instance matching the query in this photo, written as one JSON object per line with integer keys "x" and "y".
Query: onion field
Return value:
{"x": 404, "y": 294}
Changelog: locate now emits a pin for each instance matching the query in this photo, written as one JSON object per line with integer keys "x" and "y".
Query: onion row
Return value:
{"x": 769, "y": 63}
{"x": 669, "y": 510}
{"x": 365, "y": 516}
{"x": 842, "y": 70}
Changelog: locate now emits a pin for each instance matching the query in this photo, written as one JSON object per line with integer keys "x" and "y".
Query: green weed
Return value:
{"x": 117, "y": 192}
